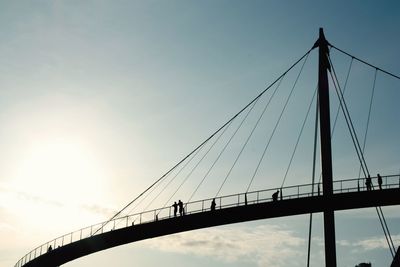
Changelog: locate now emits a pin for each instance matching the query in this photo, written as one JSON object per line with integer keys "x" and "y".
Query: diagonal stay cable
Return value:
{"x": 313, "y": 178}
{"x": 223, "y": 150}
{"x": 165, "y": 186}
{"x": 363, "y": 162}
{"x": 207, "y": 139}
{"x": 368, "y": 118}
{"x": 344, "y": 90}
{"x": 195, "y": 167}
{"x": 130, "y": 212}
{"x": 276, "y": 125}
{"x": 338, "y": 108}
{"x": 249, "y": 136}
{"x": 299, "y": 136}
{"x": 170, "y": 181}
{"x": 379, "y": 209}
{"x": 386, "y": 231}
{"x": 366, "y": 63}
{"x": 163, "y": 189}
{"x": 349, "y": 122}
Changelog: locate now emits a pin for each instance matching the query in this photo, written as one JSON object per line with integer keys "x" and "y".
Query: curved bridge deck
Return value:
{"x": 246, "y": 207}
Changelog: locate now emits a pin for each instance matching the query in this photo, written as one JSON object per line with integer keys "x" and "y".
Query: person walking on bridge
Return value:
{"x": 180, "y": 204}
{"x": 175, "y": 206}
{"x": 275, "y": 196}
{"x": 368, "y": 183}
{"x": 213, "y": 204}
{"x": 380, "y": 181}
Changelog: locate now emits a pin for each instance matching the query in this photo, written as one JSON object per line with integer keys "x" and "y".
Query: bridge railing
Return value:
{"x": 241, "y": 199}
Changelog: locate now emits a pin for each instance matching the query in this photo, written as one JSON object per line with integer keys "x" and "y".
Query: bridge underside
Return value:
{"x": 342, "y": 201}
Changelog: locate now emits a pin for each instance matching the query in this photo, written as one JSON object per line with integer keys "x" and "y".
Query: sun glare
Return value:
{"x": 61, "y": 173}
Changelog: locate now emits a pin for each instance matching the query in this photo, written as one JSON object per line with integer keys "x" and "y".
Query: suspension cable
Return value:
{"x": 366, "y": 63}
{"x": 162, "y": 190}
{"x": 276, "y": 124}
{"x": 205, "y": 141}
{"x": 344, "y": 90}
{"x": 250, "y": 135}
{"x": 170, "y": 181}
{"x": 349, "y": 122}
{"x": 361, "y": 158}
{"x": 313, "y": 178}
{"x": 338, "y": 107}
{"x": 368, "y": 118}
{"x": 223, "y": 150}
{"x": 195, "y": 167}
{"x": 386, "y": 231}
{"x": 298, "y": 137}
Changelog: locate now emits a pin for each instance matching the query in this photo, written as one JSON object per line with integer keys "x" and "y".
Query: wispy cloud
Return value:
{"x": 100, "y": 210}
{"x": 269, "y": 246}
{"x": 376, "y": 243}
{"x": 368, "y": 213}
{"x": 266, "y": 245}
{"x": 28, "y": 197}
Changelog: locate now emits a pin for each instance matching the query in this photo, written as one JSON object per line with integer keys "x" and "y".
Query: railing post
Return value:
{"x": 80, "y": 235}
{"x": 258, "y": 194}
{"x": 202, "y": 205}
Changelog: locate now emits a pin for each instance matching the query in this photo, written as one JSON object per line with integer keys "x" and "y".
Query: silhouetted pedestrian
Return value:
{"x": 275, "y": 196}
{"x": 180, "y": 204}
{"x": 368, "y": 183}
{"x": 175, "y": 208}
{"x": 380, "y": 181}
{"x": 49, "y": 249}
{"x": 213, "y": 204}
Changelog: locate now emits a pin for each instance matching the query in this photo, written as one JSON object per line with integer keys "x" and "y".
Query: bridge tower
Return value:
{"x": 326, "y": 151}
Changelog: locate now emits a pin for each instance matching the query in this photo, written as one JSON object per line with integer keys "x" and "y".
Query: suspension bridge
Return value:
{"x": 324, "y": 196}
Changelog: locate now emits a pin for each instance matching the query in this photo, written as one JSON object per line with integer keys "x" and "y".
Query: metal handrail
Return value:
{"x": 199, "y": 206}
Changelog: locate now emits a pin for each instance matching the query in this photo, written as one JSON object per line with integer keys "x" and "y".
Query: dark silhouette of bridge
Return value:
{"x": 326, "y": 197}
{"x": 295, "y": 200}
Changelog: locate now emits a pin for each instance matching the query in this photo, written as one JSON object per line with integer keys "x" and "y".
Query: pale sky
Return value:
{"x": 99, "y": 98}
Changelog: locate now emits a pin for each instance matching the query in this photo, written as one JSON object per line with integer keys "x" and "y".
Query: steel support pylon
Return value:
{"x": 326, "y": 151}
